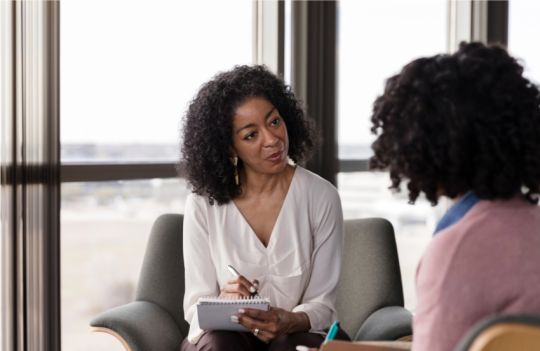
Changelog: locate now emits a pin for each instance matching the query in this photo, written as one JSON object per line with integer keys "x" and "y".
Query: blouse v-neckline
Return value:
{"x": 272, "y": 234}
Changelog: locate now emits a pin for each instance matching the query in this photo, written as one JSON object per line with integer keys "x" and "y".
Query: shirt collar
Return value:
{"x": 457, "y": 211}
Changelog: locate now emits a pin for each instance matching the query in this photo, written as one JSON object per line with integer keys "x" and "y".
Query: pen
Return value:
{"x": 235, "y": 273}
{"x": 332, "y": 332}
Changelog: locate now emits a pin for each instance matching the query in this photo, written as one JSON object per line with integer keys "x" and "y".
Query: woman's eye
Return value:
{"x": 249, "y": 136}
{"x": 274, "y": 121}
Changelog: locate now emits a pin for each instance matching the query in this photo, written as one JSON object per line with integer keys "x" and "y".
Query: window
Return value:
{"x": 376, "y": 39}
{"x": 104, "y": 231}
{"x": 523, "y": 29}
{"x": 128, "y": 72}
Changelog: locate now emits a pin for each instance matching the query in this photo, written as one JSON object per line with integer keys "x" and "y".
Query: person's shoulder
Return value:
{"x": 315, "y": 188}
{"x": 488, "y": 219}
{"x": 488, "y": 228}
{"x": 196, "y": 201}
{"x": 202, "y": 203}
{"x": 465, "y": 258}
{"x": 445, "y": 244}
{"x": 314, "y": 181}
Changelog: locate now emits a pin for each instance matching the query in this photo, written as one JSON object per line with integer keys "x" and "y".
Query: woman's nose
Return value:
{"x": 270, "y": 140}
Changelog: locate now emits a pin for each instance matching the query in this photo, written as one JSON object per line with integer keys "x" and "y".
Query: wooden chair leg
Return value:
{"x": 113, "y": 333}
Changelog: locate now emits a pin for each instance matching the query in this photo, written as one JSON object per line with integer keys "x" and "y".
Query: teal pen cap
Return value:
{"x": 332, "y": 332}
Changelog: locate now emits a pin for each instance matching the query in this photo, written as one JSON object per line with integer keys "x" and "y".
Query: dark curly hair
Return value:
{"x": 207, "y": 128}
{"x": 459, "y": 122}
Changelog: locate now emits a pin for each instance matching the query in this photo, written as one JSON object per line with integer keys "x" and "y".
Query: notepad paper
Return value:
{"x": 215, "y": 313}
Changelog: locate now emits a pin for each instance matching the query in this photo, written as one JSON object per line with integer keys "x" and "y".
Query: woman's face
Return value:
{"x": 260, "y": 137}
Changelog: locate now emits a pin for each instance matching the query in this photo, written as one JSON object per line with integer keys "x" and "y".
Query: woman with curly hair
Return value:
{"x": 467, "y": 126}
{"x": 280, "y": 225}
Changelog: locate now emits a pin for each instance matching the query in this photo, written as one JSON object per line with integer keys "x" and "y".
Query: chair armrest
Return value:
{"x": 143, "y": 326}
{"x": 388, "y": 323}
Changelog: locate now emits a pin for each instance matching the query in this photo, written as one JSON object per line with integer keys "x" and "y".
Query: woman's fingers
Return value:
{"x": 248, "y": 285}
{"x": 235, "y": 288}
{"x": 251, "y": 324}
{"x": 267, "y": 316}
{"x": 255, "y": 283}
{"x": 243, "y": 281}
{"x": 265, "y": 336}
{"x": 230, "y": 296}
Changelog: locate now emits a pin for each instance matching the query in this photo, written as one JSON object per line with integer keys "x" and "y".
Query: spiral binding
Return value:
{"x": 215, "y": 300}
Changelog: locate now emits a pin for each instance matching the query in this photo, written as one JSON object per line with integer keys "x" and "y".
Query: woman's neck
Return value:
{"x": 262, "y": 184}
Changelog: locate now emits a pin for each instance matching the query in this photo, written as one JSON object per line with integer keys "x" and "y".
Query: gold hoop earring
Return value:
{"x": 235, "y": 162}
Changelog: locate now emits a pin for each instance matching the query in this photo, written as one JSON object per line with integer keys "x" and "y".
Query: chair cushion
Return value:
{"x": 388, "y": 323}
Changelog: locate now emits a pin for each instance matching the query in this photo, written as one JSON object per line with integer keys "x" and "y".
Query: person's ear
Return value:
{"x": 233, "y": 151}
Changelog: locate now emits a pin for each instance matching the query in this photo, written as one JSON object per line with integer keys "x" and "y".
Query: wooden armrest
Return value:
{"x": 113, "y": 333}
{"x": 142, "y": 325}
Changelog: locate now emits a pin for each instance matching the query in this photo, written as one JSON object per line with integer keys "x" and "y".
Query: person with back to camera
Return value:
{"x": 280, "y": 225}
{"x": 467, "y": 126}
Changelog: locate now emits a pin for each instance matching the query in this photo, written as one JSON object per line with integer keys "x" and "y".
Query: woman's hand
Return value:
{"x": 238, "y": 287}
{"x": 273, "y": 323}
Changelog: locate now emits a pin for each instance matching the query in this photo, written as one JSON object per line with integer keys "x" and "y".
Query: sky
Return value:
{"x": 376, "y": 39}
{"x": 128, "y": 73}
{"x": 523, "y": 35}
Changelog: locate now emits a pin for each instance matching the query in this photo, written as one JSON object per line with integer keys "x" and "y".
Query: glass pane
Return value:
{"x": 366, "y": 194}
{"x": 523, "y": 31}
{"x": 376, "y": 39}
{"x": 130, "y": 68}
{"x": 104, "y": 228}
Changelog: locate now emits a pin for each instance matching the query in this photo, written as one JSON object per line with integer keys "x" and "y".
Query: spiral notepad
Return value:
{"x": 215, "y": 313}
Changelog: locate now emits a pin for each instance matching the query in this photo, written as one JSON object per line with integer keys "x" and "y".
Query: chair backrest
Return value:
{"x": 162, "y": 274}
{"x": 370, "y": 277}
{"x": 503, "y": 333}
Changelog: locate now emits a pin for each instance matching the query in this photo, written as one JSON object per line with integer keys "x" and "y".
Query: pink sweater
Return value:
{"x": 487, "y": 263}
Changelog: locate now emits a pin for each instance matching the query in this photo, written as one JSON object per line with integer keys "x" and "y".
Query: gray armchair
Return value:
{"x": 370, "y": 297}
{"x": 155, "y": 321}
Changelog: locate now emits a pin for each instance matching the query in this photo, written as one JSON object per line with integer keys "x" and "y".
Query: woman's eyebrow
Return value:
{"x": 252, "y": 124}
{"x": 269, "y": 113}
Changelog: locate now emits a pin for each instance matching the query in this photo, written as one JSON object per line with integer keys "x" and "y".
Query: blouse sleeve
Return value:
{"x": 320, "y": 295}
{"x": 200, "y": 275}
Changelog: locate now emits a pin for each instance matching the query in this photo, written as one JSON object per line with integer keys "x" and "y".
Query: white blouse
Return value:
{"x": 299, "y": 269}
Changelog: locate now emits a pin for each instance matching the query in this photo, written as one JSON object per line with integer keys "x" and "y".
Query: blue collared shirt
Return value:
{"x": 457, "y": 211}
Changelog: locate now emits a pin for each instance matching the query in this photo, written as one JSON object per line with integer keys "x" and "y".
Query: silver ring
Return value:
{"x": 256, "y": 332}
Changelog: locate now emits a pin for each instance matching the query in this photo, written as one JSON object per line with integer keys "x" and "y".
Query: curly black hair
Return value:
{"x": 207, "y": 128}
{"x": 459, "y": 122}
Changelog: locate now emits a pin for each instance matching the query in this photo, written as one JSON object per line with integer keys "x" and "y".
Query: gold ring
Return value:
{"x": 256, "y": 331}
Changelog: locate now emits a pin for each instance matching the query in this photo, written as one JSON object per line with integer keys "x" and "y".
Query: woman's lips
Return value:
{"x": 275, "y": 157}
